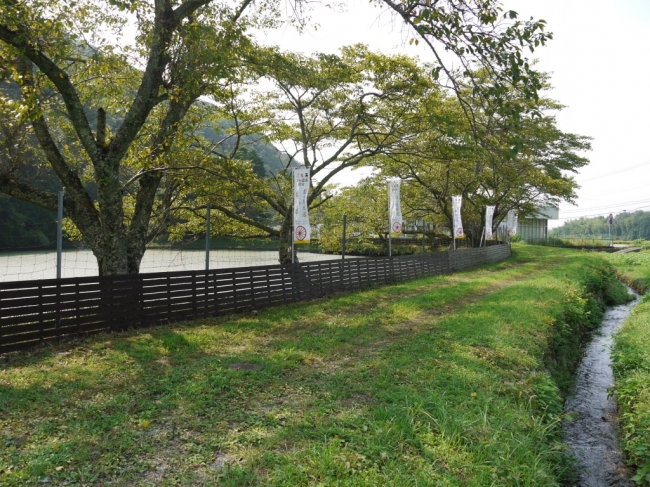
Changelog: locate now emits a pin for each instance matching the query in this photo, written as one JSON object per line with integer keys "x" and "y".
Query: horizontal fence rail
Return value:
{"x": 34, "y": 311}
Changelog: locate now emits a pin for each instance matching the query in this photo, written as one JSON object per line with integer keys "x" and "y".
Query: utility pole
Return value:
{"x": 610, "y": 219}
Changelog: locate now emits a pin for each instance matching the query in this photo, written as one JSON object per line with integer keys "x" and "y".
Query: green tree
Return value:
{"x": 626, "y": 226}
{"x": 513, "y": 162}
{"x": 74, "y": 83}
{"x": 366, "y": 207}
{"x": 325, "y": 112}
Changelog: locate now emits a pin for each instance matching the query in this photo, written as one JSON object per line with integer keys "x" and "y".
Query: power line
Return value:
{"x": 629, "y": 168}
{"x": 604, "y": 207}
{"x": 623, "y": 190}
{"x": 601, "y": 214}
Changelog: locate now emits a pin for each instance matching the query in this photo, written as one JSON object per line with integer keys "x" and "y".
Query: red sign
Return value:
{"x": 301, "y": 232}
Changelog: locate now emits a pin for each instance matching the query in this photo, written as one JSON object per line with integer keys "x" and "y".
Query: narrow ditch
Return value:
{"x": 592, "y": 435}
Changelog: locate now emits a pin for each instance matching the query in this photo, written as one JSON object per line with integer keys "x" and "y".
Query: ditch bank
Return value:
{"x": 591, "y": 429}
{"x": 579, "y": 362}
{"x": 631, "y": 363}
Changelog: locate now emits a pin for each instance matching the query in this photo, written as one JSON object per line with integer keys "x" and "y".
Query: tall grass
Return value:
{"x": 631, "y": 359}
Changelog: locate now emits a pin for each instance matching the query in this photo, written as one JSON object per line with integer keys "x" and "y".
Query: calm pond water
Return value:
{"x": 593, "y": 435}
{"x": 19, "y": 266}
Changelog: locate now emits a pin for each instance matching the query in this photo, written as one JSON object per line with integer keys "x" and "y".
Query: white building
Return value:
{"x": 535, "y": 226}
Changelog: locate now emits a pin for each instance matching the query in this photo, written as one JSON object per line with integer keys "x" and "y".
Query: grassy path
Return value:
{"x": 439, "y": 381}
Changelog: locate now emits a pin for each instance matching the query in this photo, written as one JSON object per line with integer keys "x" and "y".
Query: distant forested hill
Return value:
{"x": 24, "y": 225}
{"x": 626, "y": 226}
{"x": 255, "y": 149}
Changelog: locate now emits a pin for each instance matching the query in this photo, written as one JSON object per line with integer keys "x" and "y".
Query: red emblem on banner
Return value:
{"x": 397, "y": 227}
{"x": 301, "y": 232}
{"x": 459, "y": 232}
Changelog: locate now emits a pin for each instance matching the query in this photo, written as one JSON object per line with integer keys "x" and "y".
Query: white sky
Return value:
{"x": 600, "y": 65}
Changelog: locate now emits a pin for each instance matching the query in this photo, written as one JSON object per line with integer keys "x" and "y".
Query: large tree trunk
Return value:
{"x": 286, "y": 236}
{"x": 139, "y": 233}
{"x": 110, "y": 247}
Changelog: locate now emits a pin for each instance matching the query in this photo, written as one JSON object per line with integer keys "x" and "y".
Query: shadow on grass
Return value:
{"x": 376, "y": 385}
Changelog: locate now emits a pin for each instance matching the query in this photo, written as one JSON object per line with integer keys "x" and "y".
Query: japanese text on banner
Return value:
{"x": 301, "y": 228}
{"x": 458, "y": 224}
{"x": 489, "y": 213}
{"x": 395, "y": 207}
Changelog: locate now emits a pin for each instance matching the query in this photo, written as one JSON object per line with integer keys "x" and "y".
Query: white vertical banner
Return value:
{"x": 489, "y": 213}
{"x": 456, "y": 201}
{"x": 395, "y": 207}
{"x": 301, "y": 228}
{"x": 512, "y": 222}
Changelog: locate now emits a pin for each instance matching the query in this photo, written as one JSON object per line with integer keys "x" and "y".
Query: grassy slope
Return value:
{"x": 634, "y": 268}
{"x": 439, "y": 381}
{"x": 632, "y": 365}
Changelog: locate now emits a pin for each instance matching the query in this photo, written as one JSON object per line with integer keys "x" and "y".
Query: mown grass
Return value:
{"x": 450, "y": 381}
{"x": 631, "y": 358}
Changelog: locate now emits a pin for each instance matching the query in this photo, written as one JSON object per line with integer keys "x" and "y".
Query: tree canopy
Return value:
{"x": 120, "y": 123}
{"x": 514, "y": 163}
{"x": 324, "y": 112}
{"x": 625, "y": 226}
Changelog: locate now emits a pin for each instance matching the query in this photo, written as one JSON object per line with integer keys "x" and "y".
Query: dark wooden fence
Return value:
{"x": 34, "y": 311}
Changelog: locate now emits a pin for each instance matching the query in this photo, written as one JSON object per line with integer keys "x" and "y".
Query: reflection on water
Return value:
{"x": 19, "y": 266}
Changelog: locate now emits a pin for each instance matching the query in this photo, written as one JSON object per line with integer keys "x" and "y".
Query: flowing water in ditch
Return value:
{"x": 593, "y": 435}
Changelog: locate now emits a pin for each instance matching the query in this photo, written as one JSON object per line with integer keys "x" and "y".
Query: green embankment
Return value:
{"x": 631, "y": 359}
{"x": 634, "y": 268}
{"x": 451, "y": 380}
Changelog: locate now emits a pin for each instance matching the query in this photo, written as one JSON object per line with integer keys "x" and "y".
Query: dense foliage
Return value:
{"x": 516, "y": 165}
{"x": 121, "y": 124}
{"x": 626, "y": 226}
{"x": 25, "y": 226}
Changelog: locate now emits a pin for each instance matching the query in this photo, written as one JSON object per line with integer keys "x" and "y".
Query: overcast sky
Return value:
{"x": 600, "y": 64}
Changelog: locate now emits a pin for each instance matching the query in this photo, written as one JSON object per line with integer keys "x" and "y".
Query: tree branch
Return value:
{"x": 69, "y": 178}
{"x": 245, "y": 220}
{"x": 20, "y": 40}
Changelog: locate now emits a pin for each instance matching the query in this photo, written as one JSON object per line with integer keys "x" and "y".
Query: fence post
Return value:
{"x": 59, "y": 236}
{"x": 207, "y": 260}
{"x": 207, "y": 239}
{"x": 345, "y": 221}
{"x": 390, "y": 243}
{"x": 423, "y": 234}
